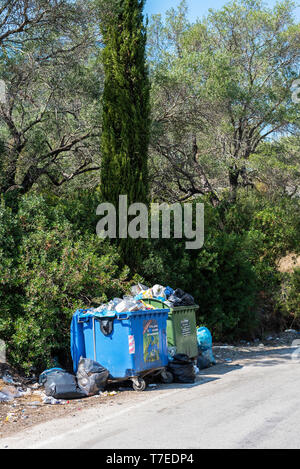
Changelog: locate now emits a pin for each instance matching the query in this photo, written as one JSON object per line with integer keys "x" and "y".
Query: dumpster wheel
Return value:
{"x": 138, "y": 384}
{"x": 167, "y": 377}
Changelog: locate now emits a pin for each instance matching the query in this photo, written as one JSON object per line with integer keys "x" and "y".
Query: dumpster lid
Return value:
{"x": 156, "y": 301}
{"x": 90, "y": 313}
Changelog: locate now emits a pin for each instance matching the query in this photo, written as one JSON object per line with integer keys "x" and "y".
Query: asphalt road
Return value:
{"x": 251, "y": 405}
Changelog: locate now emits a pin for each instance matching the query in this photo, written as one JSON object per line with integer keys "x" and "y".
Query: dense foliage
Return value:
{"x": 207, "y": 116}
{"x": 234, "y": 277}
{"x": 48, "y": 270}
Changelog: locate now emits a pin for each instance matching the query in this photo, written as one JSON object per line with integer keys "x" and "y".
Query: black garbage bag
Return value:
{"x": 203, "y": 362}
{"x": 180, "y": 298}
{"x": 91, "y": 376}
{"x": 187, "y": 300}
{"x": 182, "y": 369}
{"x": 61, "y": 385}
{"x": 205, "y": 358}
{"x": 179, "y": 293}
{"x": 174, "y": 300}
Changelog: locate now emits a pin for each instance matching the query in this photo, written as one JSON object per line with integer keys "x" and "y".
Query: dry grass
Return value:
{"x": 288, "y": 263}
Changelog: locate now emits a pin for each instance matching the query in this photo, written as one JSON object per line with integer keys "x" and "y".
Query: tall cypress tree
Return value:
{"x": 126, "y": 110}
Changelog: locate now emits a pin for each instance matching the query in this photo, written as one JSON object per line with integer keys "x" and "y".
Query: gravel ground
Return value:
{"x": 243, "y": 349}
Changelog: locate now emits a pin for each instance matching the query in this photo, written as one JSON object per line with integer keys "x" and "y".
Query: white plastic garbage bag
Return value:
{"x": 158, "y": 291}
{"x": 139, "y": 288}
{"x": 129, "y": 304}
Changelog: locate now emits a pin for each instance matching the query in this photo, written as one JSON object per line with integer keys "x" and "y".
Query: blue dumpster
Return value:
{"x": 130, "y": 345}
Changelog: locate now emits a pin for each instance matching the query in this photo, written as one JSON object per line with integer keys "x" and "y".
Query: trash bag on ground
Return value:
{"x": 91, "y": 376}
{"x": 60, "y": 384}
{"x": 206, "y": 357}
{"x": 182, "y": 369}
{"x": 204, "y": 338}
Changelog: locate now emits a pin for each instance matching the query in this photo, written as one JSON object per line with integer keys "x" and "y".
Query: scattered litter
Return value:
{"x": 10, "y": 416}
{"x": 12, "y": 392}
{"x": 8, "y": 379}
{"x": 34, "y": 404}
{"x": 36, "y": 386}
{"x": 52, "y": 401}
{"x": 5, "y": 397}
{"x": 229, "y": 347}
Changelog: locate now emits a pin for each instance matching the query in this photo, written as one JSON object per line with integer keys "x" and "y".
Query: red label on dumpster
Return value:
{"x": 131, "y": 342}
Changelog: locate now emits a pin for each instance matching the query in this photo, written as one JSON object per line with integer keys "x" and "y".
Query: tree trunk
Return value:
{"x": 233, "y": 181}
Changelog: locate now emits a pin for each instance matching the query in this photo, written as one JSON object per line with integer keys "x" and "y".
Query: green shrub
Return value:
{"x": 55, "y": 271}
{"x": 219, "y": 276}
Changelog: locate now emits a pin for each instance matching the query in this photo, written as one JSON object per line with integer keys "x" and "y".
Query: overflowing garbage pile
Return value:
{"x": 108, "y": 315}
{"x": 119, "y": 305}
{"x": 137, "y": 301}
{"x": 90, "y": 377}
{"x": 100, "y": 344}
{"x": 172, "y": 298}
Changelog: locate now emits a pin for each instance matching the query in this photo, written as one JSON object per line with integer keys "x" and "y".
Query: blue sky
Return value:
{"x": 197, "y": 8}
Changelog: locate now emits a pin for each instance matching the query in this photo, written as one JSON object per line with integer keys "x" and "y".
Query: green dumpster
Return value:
{"x": 181, "y": 327}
